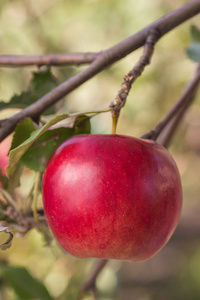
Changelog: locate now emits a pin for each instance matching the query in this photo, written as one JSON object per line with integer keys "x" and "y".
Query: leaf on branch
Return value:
{"x": 3, "y": 180}
{"x": 16, "y": 153}
{"x": 43, "y": 141}
{"x": 24, "y": 284}
{"x": 41, "y": 83}
{"x": 193, "y": 51}
{"x": 8, "y": 243}
{"x": 22, "y": 132}
{"x": 37, "y": 156}
{"x": 195, "y": 34}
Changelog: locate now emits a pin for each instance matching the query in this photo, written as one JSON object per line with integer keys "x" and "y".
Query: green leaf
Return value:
{"x": 3, "y": 180}
{"x": 18, "y": 101}
{"x": 41, "y": 83}
{"x": 195, "y": 34}
{"x": 16, "y": 154}
{"x": 24, "y": 284}
{"x": 193, "y": 51}
{"x": 81, "y": 125}
{"x": 22, "y": 132}
{"x": 37, "y": 156}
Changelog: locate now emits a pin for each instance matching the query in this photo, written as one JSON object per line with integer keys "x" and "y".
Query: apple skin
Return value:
{"x": 112, "y": 196}
{"x": 4, "y": 149}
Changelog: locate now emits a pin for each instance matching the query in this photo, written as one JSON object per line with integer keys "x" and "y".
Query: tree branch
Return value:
{"x": 103, "y": 60}
{"x": 120, "y": 100}
{"x": 177, "y": 111}
{"x": 90, "y": 282}
{"x": 58, "y": 59}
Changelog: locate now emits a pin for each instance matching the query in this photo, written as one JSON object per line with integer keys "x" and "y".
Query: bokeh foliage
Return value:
{"x": 50, "y": 26}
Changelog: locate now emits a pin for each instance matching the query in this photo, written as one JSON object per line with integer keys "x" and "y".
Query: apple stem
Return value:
{"x": 114, "y": 123}
{"x": 35, "y": 194}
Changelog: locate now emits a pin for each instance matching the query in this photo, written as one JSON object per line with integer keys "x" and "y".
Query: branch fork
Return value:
{"x": 101, "y": 61}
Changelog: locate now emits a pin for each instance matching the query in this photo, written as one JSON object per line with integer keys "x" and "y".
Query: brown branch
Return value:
{"x": 177, "y": 110}
{"x": 58, "y": 59}
{"x": 120, "y": 100}
{"x": 166, "y": 137}
{"x": 90, "y": 283}
{"x": 103, "y": 60}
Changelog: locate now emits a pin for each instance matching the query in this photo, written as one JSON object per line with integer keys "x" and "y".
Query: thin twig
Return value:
{"x": 180, "y": 106}
{"x": 8, "y": 199}
{"x": 167, "y": 135}
{"x": 120, "y": 100}
{"x": 57, "y": 59}
{"x": 35, "y": 196}
{"x": 103, "y": 60}
{"x": 90, "y": 283}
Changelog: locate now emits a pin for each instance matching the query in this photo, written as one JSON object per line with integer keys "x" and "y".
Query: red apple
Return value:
{"x": 4, "y": 148}
{"x": 112, "y": 196}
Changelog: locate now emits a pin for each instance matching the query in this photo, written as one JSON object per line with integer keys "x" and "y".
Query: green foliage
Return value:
{"x": 193, "y": 51}
{"x": 16, "y": 154}
{"x": 24, "y": 284}
{"x": 22, "y": 132}
{"x": 41, "y": 150}
{"x": 41, "y": 83}
{"x": 43, "y": 141}
{"x": 56, "y": 26}
{"x": 3, "y": 179}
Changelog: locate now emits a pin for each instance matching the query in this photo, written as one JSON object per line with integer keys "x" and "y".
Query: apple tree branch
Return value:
{"x": 89, "y": 285}
{"x": 103, "y": 60}
{"x": 120, "y": 100}
{"x": 57, "y": 59}
{"x": 176, "y": 113}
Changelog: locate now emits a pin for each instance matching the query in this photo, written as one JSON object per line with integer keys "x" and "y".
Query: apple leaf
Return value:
{"x": 24, "y": 284}
{"x": 22, "y": 132}
{"x": 37, "y": 156}
{"x": 8, "y": 242}
{"x": 41, "y": 83}
{"x": 82, "y": 124}
{"x": 16, "y": 153}
{"x": 3, "y": 180}
{"x": 43, "y": 141}
{"x": 195, "y": 34}
{"x": 193, "y": 51}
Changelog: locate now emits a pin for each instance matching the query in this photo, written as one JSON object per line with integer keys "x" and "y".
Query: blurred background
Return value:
{"x": 30, "y": 27}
